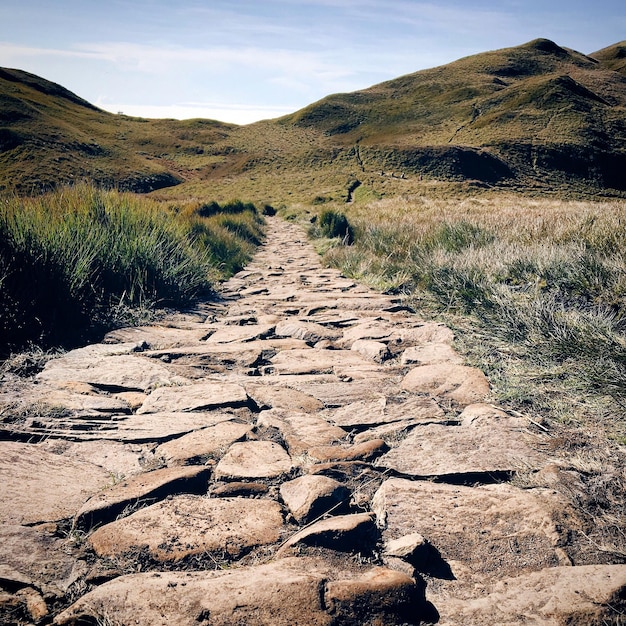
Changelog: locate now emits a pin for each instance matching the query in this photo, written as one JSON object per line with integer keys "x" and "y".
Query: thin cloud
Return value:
{"x": 232, "y": 113}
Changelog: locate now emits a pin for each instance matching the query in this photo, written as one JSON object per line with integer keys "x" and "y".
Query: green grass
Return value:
{"x": 78, "y": 260}
{"x": 536, "y": 290}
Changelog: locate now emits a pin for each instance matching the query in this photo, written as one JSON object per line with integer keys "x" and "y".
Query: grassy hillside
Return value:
{"x": 50, "y": 137}
{"x": 536, "y": 118}
{"x": 613, "y": 57}
{"x": 516, "y": 115}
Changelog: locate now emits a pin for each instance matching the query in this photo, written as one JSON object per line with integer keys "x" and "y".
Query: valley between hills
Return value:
{"x": 360, "y": 365}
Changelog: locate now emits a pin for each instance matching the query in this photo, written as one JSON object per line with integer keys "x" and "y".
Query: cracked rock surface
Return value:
{"x": 304, "y": 451}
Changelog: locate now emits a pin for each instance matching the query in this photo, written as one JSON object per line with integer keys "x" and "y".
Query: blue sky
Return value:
{"x": 244, "y": 60}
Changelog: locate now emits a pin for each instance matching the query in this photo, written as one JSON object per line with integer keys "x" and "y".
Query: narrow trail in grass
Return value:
{"x": 305, "y": 451}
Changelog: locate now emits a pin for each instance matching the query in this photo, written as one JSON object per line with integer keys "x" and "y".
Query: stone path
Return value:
{"x": 306, "y": 451}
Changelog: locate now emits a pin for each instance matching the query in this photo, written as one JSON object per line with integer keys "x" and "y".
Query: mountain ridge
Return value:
{"x": 537, "y": 116}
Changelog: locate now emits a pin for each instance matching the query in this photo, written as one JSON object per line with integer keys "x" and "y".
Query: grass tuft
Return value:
{"x": 534, "y": 286}
{"x": 77, "y": 260}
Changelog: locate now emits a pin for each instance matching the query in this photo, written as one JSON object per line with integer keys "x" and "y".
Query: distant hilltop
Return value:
{"x": 532, "y": 117}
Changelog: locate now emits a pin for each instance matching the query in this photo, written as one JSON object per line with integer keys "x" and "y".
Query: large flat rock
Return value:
{"x": 110, "y": 367}
{"x": 459, "y": 383}
{"x": 184, "y": 526}
{"x": 305, "y": 330}
{"x": 249, "y": 332}
{"x": 199, "y": 397}
{"x": 437, "y": 450}
{"x": 254, "y": 459}
{"x": 312, "y": 361}
{"x": 489, "y": 531}
{"x": 301, "y": 431}
{"x": 368, "y": 413}
{"x": 203, "y": 444}
{"x": 141, "y": 490}
{"x": 136, "y": 428}
{"x": 120, "y": 459}
{"x": 336, "y": 393}
{"x": 157, "y": 337}
{"x": 589, "y": 594}
{"x": 279, "y": 397}
{"x": 38, "y": 486}
{"x": 35, "y": 557}
{"x": 287, "y": 592}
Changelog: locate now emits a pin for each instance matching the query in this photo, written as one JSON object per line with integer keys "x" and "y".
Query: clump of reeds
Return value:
{"x": 543, "y": 280}
{"x": 73, "y": 260}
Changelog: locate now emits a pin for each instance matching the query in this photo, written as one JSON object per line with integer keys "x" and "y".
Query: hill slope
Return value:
{"x": 525, "y": 113}
{"x": 50, "y": 136}
{"x": 613, "y": 57}
{"x": 536, "y": 116}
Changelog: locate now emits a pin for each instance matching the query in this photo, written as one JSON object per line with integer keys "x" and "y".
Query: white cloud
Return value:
{"x": 232, "y": 113}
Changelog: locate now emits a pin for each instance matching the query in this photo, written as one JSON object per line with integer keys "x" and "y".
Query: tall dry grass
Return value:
{"x": 536, "y": 288}
{"x": 79, "y": 260}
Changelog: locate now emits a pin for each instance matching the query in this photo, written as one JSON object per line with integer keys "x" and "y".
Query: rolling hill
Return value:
{"x": 533, "y": 117}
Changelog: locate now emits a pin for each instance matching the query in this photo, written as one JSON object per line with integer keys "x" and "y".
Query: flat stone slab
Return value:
{"x": 38, "y": 486}
{"x": 205, "y": 354}
{"x": 108, "y": 366}
{"x": 371, "y": 329}
{"x": 308, "y": 497}
{"x": 436, "y": 450}
{"x": 117, "y": 458}
{"x": 429, "y": 354}
{"x": 160, "y": 427}
{"x": 488, "y": 531}
{"x": 190, "y": 525}
{"x": 79, "y": 404}
{"x": 279, "y": 397}
{"x": 334, "y": 393}
{"x": 249, "y": 332}
{"x": 141, "y": 490}
{"x": 313, "y": 361}
{"x": 198, "y": 397}
{"x": 310, "y": 332}
{"x": 428, "y": 332}
{"x": 254, "y": 459}
{"x": 464, "y": 385}
{"x": 34, "y": 556}
{"x": 588, "y": 594}
{"x": 301, "y": 431}
{"x": 383, "y": 411}
{"x": 200, "y": 445}
{"x": 156, "y": 337}
{"x": 365, "y": 451}
{"x": 287, "y": 592}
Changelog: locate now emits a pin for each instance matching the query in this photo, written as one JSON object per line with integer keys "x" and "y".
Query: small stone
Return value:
{"x": 309, "y": 496}
{"x": 372, "y": 350}
{"x": 254, "y": 459}
{"x": 342, "y": 532}
{"x": 464, "y": 385}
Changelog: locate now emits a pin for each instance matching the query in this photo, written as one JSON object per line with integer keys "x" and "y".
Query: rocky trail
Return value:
{"x": 303, "y": 452}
